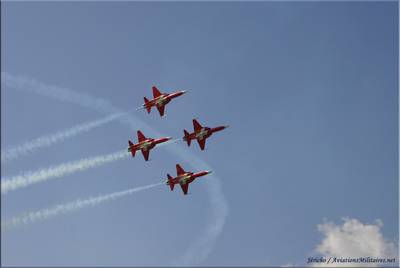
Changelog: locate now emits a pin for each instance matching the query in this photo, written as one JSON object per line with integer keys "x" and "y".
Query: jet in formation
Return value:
{"x": 160, "y": 100}
{"x": 200, "y": 133}
{"x": 184, "y": 178}
{"x": 145, "y": 144}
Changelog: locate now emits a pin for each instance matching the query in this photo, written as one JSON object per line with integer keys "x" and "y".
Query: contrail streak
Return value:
{"x": 41, "y": 175}
{"x": 200, "y": 249}
{"x": 43, "y": 214}
{"x": 48, "y": 140}
{"x": 45, "y": 174}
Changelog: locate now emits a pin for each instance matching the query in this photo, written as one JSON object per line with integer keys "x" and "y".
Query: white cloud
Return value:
{"x": 354, "y": 239}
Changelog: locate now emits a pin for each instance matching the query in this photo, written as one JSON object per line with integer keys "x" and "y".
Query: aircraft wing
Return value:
{"x": 140, "y": 136}
{"x": 179, "y": 170}
{"x": 156, "y": 92}
{"x": 196, "y": 125}
{"x": 202, "y": 143}
{"x": 146, "y": 154}
{"x": 161, "y": 109}
{"x": 185, "y": 188}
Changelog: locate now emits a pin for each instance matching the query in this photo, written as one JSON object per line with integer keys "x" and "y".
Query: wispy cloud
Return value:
{"x": 50, "y": 139}
{"x": 43, "y": 214}
{"x": 45, "y": 174}
{"x": 203, "y": 245}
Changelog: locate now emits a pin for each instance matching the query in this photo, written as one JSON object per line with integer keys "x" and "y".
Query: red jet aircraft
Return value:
{"x": 145, "y": 145}
{"x": 184, "y": 178}
{"x": 200, "y": 133}
{"x": 160, "y": 100}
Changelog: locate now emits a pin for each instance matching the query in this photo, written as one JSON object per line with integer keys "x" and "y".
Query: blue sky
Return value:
{"x": 310, "y": 90}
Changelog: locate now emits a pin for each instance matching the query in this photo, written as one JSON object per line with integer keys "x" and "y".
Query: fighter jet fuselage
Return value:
{"x": 184, "y": 178}
{"x": 200, "y": 133}
{"x": 145, "y": 145}
{"x": 160, "y": 100}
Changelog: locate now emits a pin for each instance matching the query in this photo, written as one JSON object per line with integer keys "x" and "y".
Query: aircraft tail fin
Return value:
{"x": 130, "y": 148}
{"x": 171, "y": 182}
{"x": 147, "y": 105}
{"x": 186, "y": 137}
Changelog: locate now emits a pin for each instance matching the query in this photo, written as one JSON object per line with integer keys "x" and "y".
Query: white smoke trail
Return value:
{"x": 63, "y": 94}
{"x": 199, "y": 250}
{"x": 54, "y": 211}
{"x": 41, "y": 175}
{"x": 48, "y": 140}
{"x": 32, "y": 177}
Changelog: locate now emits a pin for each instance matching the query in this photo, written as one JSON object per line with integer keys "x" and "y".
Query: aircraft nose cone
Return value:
{"x": 209, "y": 172}
{"x": 168, "y": 138}
{"x": 226, "y": 126}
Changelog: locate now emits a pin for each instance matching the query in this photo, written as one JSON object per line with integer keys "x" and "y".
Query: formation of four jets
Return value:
{"x": 145, "y": 144}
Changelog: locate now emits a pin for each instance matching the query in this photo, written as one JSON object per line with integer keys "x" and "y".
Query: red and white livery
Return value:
{"x": 200, "y": 133}
{"x": 145, "y": 144}
{"x": 184, "y": 178}
{"x": 160, "y": 100}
